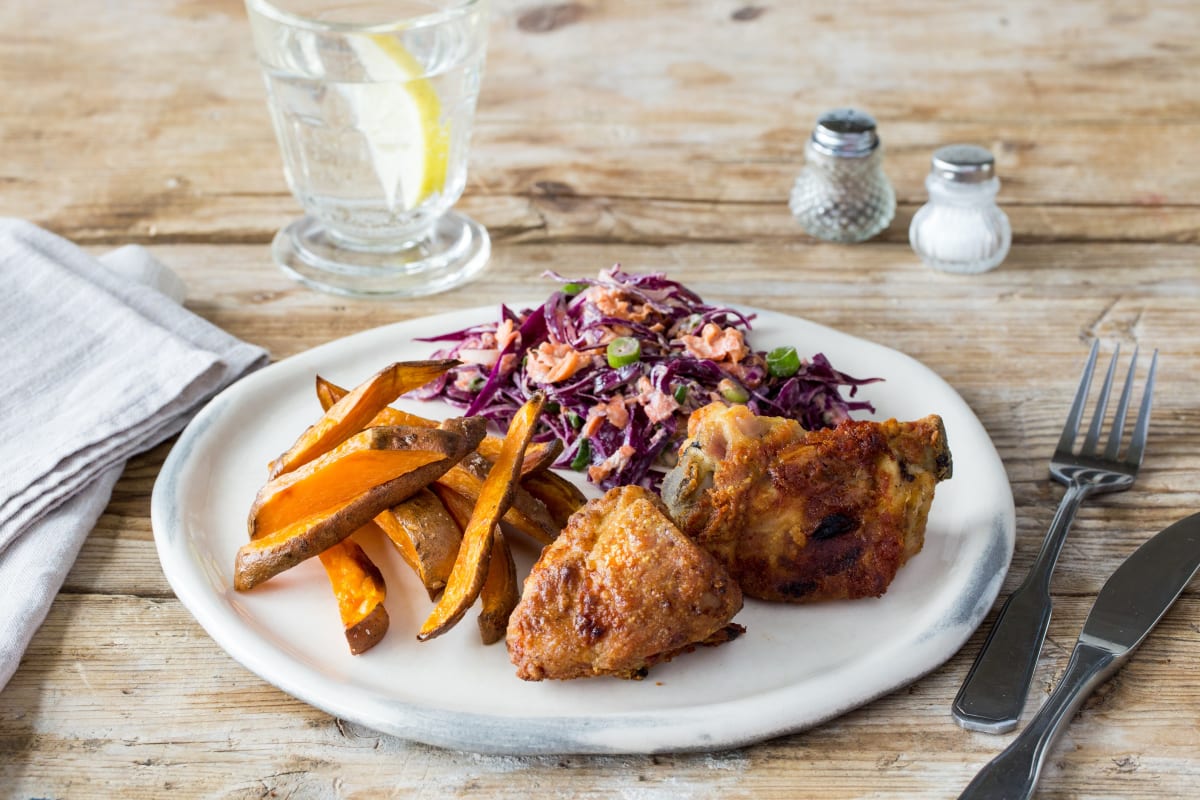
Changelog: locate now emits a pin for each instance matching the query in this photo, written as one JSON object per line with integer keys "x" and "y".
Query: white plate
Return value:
{"x": 795, "y": 667}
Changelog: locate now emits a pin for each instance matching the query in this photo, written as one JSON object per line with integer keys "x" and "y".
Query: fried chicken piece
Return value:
{"x": 620, "y": 590}
{"x": 798, "y": 515}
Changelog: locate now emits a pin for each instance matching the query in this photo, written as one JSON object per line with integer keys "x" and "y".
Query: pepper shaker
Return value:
{"x": 842, "y": 194}
{"x": 961, "y": 229}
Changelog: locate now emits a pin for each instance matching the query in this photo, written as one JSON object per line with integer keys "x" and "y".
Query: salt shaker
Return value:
{"x": 842, "y": 195}
{"x": 961, "y": 229}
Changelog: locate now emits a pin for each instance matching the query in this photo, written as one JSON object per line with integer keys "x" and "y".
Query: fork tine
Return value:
{"x": 1076, "y": 414}
{"x": 1137, "y": 446}
{"x": 1093, "y": 434}
{"x": 1118, "y": 427}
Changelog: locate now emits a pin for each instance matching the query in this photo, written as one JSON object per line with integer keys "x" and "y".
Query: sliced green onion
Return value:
{"x": 732, "y": 392}
{"x": 583, "y": 456}
{"x": 575, "y": 420}
{"x": 477, "y": 384}
{"x": 573, "y": 288}
{"x": 624, "y": 350}
{"x": 551, "y": 408}
{"x": 783, "y": 362}
{"x": 681, "y": 393}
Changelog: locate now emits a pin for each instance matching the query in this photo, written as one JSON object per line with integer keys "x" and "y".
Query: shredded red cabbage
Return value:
{"x": 622, "y": 424}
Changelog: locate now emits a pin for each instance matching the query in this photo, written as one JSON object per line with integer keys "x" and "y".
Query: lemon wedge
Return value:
{"x": 399, "y": 114}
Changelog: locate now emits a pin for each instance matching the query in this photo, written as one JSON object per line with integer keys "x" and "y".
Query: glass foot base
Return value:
{"x": 456, "y": 248}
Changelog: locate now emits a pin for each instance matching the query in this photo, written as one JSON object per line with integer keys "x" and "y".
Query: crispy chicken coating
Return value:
{"x": 798, "y": 515}
{"x": 620, "y": 590}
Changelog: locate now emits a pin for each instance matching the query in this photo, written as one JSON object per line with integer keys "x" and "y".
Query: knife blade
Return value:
{"x": 1129, "y": 605}
{"x": 1141, "y": 590}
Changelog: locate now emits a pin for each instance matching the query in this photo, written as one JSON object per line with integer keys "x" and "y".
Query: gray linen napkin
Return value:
{"x": 99, "y": 361}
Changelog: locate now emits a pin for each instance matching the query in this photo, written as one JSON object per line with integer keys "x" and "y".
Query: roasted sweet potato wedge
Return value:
{"x": 365, "y": 460}
{"x": 403, "y": 544}
{"x": 501, "y": 591}
{"x": 459, "y": 507}
{"x": 560, "y": 497}
{"x": 426, "y": 536}
{"x": 355, "y": 410}
{"x": 471, "y": 564}
{"x": 329, "y": 393}
{"x": 360, "y": 591}
{"x": 539, "y": 456}
{"x": 526, "y": 514}
{"x": 286, "y": 547}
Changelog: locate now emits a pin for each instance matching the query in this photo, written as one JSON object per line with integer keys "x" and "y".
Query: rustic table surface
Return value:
{"x": 663, "y": 135}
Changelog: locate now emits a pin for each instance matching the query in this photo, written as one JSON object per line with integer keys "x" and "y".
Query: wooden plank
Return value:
{"x": 102, "y": 669}
{"x": 1077, "y": 129}
{"x": 1045, "y": 298}
{"x": 1020, "y": 62}
{"x": 1027, "y": 63}
{"x": 732, "y": 188}
{"x": 532, "y": 217}
{"x": 541, "y": 217}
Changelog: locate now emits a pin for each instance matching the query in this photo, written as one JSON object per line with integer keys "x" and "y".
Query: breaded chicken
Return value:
{"x": 620, "y": 590}
{"x": 798, "y": 515}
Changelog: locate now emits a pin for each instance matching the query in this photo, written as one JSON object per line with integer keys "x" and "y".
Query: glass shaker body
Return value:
{"x": 961, "y": 229}
{"x": 842, "y": 194}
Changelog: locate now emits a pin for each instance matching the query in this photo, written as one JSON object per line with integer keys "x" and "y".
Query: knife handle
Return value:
{"x": 1013, "y": 774}
{"x": 993, "y": 695}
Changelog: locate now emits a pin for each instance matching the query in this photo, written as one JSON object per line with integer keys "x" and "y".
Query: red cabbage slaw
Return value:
{"x": 622, "y": 418}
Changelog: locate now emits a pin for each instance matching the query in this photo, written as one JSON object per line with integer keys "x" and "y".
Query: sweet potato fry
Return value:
{"x": 365, "y": 460}
{"x": 471, "y": 564}
{"x": 459, "y": 507}
{"x": 360, "y": 590}
{"x": 501, "y": 592}
{"x": 560, "y": 497}
{"x": 351, "y": 413}
{"x": 426, "y": 536}
{"x": 274, "y": 552}
{"x": 526, "y": 514}
{"x": 400, "y": 539}
{"x": 329, "y": 393}
{"x": 539, "y": 456}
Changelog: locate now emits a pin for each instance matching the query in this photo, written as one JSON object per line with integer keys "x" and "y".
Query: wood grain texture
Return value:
{"x": 104, "y": 667}
{"x": 705, "y": 111}
{"x": 661, "y": 135}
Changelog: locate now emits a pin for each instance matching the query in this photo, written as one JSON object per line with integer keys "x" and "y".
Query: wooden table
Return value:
{"x": 663, "y": 135}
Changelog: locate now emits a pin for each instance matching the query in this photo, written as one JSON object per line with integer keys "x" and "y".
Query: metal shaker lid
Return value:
{"x": 845, "y": 133}
{"x": 964, "y": 163}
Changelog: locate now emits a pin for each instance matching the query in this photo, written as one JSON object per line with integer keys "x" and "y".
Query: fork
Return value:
{"x": 993, "y": 694}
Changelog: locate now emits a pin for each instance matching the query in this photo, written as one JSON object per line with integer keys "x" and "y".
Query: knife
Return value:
{"x": 1129, "y": 605}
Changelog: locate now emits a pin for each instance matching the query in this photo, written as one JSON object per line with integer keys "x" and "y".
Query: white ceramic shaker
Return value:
{"x": 961, "y": 229}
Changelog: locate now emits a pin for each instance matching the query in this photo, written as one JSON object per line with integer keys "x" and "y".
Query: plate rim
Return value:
{"x": 702, "y": 727}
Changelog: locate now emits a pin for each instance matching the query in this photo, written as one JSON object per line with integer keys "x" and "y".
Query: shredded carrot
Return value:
{"x": 598, "y": 472}
{"x": 659, "y": 406}
{"x": 553, "y": 362}
{"x": 717, "y": 343}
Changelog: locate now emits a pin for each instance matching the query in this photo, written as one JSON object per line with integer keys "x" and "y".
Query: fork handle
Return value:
{"x": 993, "y": 695}
{"x": 1013, "y": 774}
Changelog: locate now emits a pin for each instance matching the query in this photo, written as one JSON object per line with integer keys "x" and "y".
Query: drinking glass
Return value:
{"x": 372, "y": 104}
